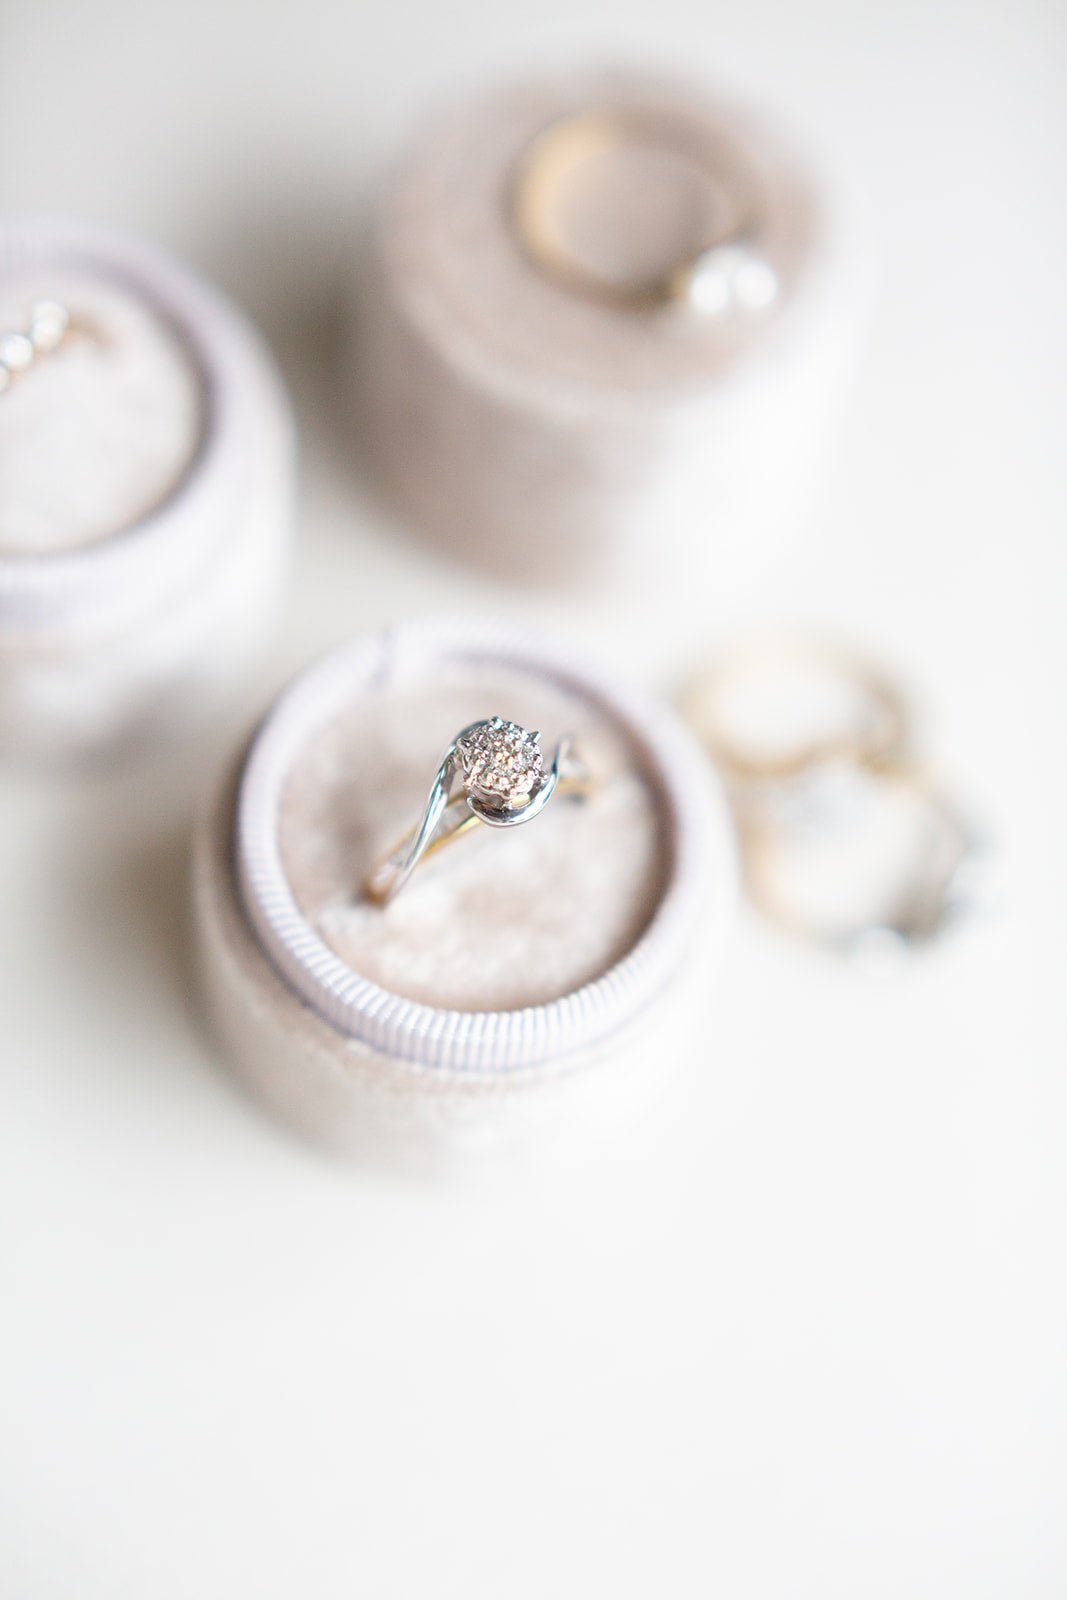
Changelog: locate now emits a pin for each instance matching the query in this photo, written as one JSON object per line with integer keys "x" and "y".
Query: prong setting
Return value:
{"x": 501, "y": 764}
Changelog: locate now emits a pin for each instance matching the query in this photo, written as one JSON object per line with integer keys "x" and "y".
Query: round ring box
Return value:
{"x": 555, "y": 436}
{"x": 536, "y": 981}
{"x": 146, "y": 490}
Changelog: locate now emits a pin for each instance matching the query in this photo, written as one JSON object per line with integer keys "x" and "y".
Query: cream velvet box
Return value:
{"x": 552, "y": 436}
{"x": 534, "y": 983}
{"x": 146, "y": 487}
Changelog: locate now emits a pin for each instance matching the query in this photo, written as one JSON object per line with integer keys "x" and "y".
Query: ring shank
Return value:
{"x": 381, "y": 883}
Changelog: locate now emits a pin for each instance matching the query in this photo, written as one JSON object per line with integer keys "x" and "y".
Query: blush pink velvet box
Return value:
{"x": 146, "y": 487}
{"x": 535, "y": 982}
{"x": 555, "y": 437}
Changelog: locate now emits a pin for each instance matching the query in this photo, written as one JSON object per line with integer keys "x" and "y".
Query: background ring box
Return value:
{"x": 549, "y": 436}
{"x": 116, "y": 634}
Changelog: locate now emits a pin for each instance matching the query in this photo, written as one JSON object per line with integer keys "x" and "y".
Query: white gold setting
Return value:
{"x": 494, "y": 771}
{"x": 501, "y": 762}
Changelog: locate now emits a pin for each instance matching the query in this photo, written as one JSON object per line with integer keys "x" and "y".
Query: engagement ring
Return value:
{"x": 729, "y": 272}
{"x": 494, "y": 772}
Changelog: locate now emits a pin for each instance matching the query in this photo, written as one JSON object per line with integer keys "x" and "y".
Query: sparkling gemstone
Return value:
{"x": 501, "y": 762}
{"x": 731, "y": 275}
{"x": 16, "y": 352}
{"x": 48, "y": 326}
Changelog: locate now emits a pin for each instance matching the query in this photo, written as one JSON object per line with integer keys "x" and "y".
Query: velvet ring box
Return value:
{"x": 559, "y": 435}
{"x": 529, "y": 979}
{"x": 146, "y": 478}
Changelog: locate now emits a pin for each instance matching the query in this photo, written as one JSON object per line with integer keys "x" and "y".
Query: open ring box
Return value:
{"x": 555, "y": 434}
{"x": 528, "y": 980}
{"x": 146, "y": 478}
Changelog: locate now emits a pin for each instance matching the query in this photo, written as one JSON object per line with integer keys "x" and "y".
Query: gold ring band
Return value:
{"x": 875, "y": 737}
{"x": 727, "y": 268}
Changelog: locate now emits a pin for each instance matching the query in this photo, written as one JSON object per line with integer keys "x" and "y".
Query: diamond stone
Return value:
{"x": 501, "y": 762}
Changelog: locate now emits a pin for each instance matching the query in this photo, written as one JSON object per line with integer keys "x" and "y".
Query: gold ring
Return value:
{"x": 730, "y": 271}
{"x": 846, "y": 852}
{"x": 870, "y": 730}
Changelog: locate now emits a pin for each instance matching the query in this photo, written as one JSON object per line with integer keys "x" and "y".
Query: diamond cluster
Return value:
{"x": 501, "y": 762}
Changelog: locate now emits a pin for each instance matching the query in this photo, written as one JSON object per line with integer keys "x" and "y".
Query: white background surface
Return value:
{"x": 804, "y": 1334}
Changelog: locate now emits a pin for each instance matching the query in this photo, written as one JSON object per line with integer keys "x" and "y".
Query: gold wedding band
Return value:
{"x": 728, "y": 271}
{"x": 874, "y": 734}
